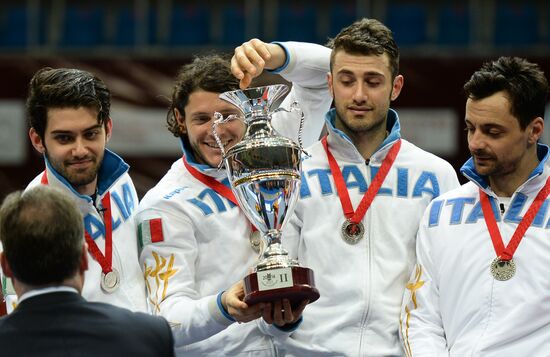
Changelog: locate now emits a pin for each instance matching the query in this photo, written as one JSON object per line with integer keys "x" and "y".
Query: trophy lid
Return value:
{"x": 256, "y": 101}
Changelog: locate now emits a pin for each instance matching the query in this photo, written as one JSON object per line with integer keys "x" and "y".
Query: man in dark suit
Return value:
{"x": 45, "y": 255}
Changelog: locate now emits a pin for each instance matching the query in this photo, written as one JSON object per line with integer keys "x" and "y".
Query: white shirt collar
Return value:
{"x": 48, "y": 290}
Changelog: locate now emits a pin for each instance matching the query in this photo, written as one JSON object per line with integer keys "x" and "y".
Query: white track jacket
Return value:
{"x": 361, "y": 285}
{"x": 453, "y": 306}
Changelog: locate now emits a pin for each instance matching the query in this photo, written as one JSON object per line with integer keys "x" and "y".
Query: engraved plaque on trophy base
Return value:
{"x": 294, "y": 283}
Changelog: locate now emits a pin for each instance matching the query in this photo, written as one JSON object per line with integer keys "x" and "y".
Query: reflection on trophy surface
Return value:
{"x": 264, "y": 171}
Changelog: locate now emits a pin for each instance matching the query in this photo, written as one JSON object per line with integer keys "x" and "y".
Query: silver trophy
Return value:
{"x": 264, "y": 171}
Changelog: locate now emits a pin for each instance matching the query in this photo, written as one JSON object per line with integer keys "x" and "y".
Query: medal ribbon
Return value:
{"x": 214, "y": 184}
{"x": 105, "y": 261}
{"x": 368, "y": 197}
{"x": 507, "y": 253}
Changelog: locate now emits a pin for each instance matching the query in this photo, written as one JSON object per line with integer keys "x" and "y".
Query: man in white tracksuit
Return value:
{"x": 480, "y": 287}
{"x": 68, "y": 111}
{"x": 361, "y": 253}
{"x": 196, "y": 241}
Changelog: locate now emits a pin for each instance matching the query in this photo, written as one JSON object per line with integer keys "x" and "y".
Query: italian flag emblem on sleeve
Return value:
{"x": 150, "y": 231}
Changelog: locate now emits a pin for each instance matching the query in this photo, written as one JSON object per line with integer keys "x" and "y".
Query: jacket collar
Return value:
{"x": 342, "y": 146}
{"x": 50, "y": 299}
{"x": 469, "y": 170}
{"x": 219, "y": 174}
{"x": 111, "y": 169}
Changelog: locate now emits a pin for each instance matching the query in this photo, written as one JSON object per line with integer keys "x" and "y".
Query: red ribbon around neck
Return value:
{"x": 368, "y": 197}
{"x": 105, "y": 261}
{"x": 507, "y": 253}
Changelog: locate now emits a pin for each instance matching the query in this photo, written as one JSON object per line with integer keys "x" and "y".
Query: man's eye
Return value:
{"x": 90, "y": 135}
{"x": 63, "y": 139}
{"x": 202, "y": 119}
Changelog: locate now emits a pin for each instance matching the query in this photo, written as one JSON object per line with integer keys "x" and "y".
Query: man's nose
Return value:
{"x": 359, "y": 94}
{"x": 79, "y": 148}
{"x": 476, "y": 141}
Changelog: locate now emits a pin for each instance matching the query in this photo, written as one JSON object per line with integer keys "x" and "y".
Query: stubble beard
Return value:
{"x": 360, "y": 126}
{"x": 76, "y": 178}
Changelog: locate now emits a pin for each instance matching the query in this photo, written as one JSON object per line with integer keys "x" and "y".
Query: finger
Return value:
{"x": 297, "y": 312}
{"x": 251, "y": 313}
{"x": 266, "y": 314}
{"x": 278, "y": 313}
{"x": 261, "y": 48}
{"x": 301, "y": 308}
{"x": 245, "y": 81}
{"x": 254, "y": 58}
{"x": 249, "y": 310}
{"x": 242, "y": 60}
{"x": 237, "y": 305}
{"x": 236, "y": 69}
{"x": 288, "y": 315}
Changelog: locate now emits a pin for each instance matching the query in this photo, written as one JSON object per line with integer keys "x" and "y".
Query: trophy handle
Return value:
{"x": 219, "y": 119}
{"x": 295, "y": 106}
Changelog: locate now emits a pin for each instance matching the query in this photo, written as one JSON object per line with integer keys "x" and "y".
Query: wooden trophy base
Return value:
{"x": 294, "y": 283}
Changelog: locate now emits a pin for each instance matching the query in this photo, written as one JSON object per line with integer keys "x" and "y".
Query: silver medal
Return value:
{"x": 352, "y": 232}
{"x": 110, "y": 281}
{"x": 256, "y": 241}
{"x": 503, "y": 269}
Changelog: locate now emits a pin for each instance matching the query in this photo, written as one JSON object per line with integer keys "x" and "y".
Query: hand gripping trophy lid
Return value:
{"x": 264, "y": 171}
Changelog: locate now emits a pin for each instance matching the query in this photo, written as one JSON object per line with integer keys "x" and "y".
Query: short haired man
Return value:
{"x": 363, "y": 192}
{"x": 480, "y": 287}
{"x": 70, "y": 124}
{"x": 46, "y": 257}
{"x": 196, "y": 240}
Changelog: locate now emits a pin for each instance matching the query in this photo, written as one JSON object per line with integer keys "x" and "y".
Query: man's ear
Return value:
{"x": 6, "y": 269}
{"x": 181, "y": 121}
{"x": 84, "y": 259}
{"x": 330, "y": 84}
{"x": 37, "y": 141}
{"x": 398, "y": 83}
{"x": 108, "y": 129}
{"x": 536, "y": 129}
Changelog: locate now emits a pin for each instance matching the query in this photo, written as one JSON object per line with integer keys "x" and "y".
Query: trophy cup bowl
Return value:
{"x": 264, "y": 171}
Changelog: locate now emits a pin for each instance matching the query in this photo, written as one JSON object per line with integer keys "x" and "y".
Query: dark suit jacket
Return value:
{"x": 65, "y": 324}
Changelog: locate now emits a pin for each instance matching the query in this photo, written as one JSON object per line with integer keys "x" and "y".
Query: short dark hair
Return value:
{"x": 211, "y": 73}
{"x": 42, "y": 235}
{"x": 65, "y": 88}
{"x": 524, "y": 83}
{"x": 366, "y": 37}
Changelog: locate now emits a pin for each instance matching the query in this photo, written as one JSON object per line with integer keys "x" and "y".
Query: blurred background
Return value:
{"x": 137, "y": 46}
